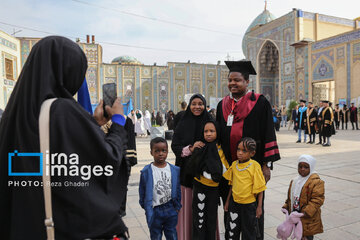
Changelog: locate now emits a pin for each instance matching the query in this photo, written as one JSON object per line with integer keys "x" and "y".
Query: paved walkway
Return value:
{"x": 338, "y": 166}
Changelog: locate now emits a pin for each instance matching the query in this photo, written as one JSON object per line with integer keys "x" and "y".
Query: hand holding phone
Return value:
{"x": 109, "y": 96}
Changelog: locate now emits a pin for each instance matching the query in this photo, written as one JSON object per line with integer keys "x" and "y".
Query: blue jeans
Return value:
{"x": 299, "y": 134}
{"x": 283, "y": 120}
{"x": 165, "y": 219}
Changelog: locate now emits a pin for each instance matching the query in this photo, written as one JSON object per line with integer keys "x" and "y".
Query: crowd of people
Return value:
{"x": 224, "y": 157}
{"x": 323, "y": 120}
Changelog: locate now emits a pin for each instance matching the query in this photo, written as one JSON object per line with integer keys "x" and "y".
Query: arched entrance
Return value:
{"x": 269, "y": 72}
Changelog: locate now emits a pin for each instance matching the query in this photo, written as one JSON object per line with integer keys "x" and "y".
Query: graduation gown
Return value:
{"x": 319, "y": 121}
{"x": 311, "y": 115}
{"x": 56, "y": 68}
{"x": 257, "y": 124}
{"x": 327, "y": 122}
{"x": 301, "y": 119}
{"x": 353, "y": 114}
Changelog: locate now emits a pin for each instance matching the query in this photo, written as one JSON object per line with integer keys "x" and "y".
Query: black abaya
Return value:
{"x": 56, "y": 68}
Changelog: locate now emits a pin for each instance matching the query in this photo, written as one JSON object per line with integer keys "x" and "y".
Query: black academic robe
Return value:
{"x": 353, "y": 114}
{"x": 311, "y": 115}
{"x": 258, "y": 125}
{"x": 319, "y": 121}
{"x": 327, "y": 117}
{"x": 301, "y": 116}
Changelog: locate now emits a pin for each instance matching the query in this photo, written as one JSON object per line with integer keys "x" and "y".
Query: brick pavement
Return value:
{"x": 338, "y": 166}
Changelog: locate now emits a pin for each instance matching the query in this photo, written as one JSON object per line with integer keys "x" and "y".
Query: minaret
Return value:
{"x": 265, "y": 5}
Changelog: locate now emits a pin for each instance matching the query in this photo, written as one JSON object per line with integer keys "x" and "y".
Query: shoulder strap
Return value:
{"x": 44, "y": 133}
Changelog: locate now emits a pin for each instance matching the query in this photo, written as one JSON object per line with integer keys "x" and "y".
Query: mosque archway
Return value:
{"x": 268, "y": 70}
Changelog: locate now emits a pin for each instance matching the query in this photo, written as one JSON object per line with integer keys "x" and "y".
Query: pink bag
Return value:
{"x": 291, "y": 224}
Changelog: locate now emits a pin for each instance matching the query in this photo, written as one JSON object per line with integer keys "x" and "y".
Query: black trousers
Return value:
{"x": 241, "y": 220}
{"x": 312, "y": 137}
{"x": 224, "y": 191}
{"x": 356, "y": 123}
{"x": 337, "y": 124}
{"x": 204, "y": 206}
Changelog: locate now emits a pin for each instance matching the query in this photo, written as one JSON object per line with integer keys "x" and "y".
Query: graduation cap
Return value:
{"x": 302, "y": 100}
{"x": 325, "y": 101}
{"x": 241, "y": 67}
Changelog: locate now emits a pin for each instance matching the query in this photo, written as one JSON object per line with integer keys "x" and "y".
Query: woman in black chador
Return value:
{"x": 56, "y": 68}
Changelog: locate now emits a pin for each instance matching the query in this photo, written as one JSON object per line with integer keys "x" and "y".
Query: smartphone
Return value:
{"x": 109, "y": 95}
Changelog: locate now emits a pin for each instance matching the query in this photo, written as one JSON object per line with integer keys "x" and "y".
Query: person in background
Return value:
{"x": 153, "y": 118}
{"x": 311, "y": 115}
{"x": 354, "y": 116}
{"x": 337, "y": 116}
{"x": 170, "y": 120}
{"x": 346, "y": 118}
{"x": 159, "y": 119}
{"x": 319, "y": 123}
{"x": 147, "y": 121}
{"x": 327, "y": 117}
{"x": 277, "y": 118}
{"x": 301, "y": 120}
{"x": 179, "y": 115}
{"x": 294, "y": 114}
{"x": 283, "y": 116}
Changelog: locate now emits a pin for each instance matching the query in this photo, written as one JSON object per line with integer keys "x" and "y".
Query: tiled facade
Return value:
{"x": 309, "y": 61}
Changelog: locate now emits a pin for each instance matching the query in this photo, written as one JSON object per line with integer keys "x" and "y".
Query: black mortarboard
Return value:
{"x": 302, "y": 100}
{"x": 325, "y": 101}
{"x": 241, "y": 67}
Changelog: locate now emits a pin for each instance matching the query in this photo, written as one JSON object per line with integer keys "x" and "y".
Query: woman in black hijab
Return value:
{"x": 56, "y": 68}
{"x": 187, "y": 136}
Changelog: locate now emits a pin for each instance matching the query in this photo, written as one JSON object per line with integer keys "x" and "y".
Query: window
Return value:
{"x": 9, "y": 69}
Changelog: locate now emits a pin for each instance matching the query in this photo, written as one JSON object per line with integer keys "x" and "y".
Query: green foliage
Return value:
{"x": 290, "y": 108}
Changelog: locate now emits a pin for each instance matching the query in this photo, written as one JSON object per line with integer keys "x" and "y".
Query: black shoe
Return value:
{"x": 312, "y": 142}
{"x": 319, "y": 143}
{"x": 309, "y": 142}
{"x": 298, "y": 141}
{"x": 326, "y": 144}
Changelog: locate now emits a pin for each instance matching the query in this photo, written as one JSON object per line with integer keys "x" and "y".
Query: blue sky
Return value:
{"x": 109, "y": 24}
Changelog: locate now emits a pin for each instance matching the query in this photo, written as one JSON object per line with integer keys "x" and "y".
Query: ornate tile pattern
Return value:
{"x": 8, "y": 43}
{"x": 343, "y": 38}
{"x": 146, "y": 94}
{"x": 356, "y": 52}
{"x": 163, "y": 95}
{"x": 323, "y": 71}
{"x": 329, "y": 54}
{"x": 340, "y": 56}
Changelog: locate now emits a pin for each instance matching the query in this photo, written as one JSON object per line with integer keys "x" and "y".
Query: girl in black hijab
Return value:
{"x": 187, "y": 137}
{"x": 56, "y": 68}
{"x": 207, "y": 165}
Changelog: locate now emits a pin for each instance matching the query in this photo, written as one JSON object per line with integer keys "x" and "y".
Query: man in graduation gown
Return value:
{"x": 301, "y": 121}
{"x": 327, "y": 117}
{"x": 246, "y": 114}
{"x": 354, "y": 117}
{"x": 311, "y": 115}
{"x": 319, "y": 124}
